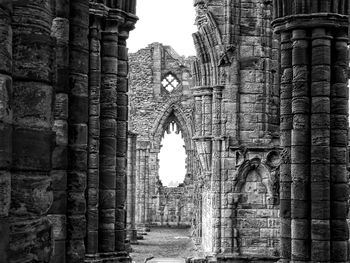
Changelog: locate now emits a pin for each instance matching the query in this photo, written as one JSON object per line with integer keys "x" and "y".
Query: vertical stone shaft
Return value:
{"x": 57, "y": 213}
{"x": 78, "y": 129}
{"x": 138, "y": 188}
{"x": 147, "y": 191}
{"x": 339, "y": 138}
{"x": 94, "y": 137}
{"x": 131, "y": 189}
{"x": 300, "y": 158}
{"x": 320, "y": 145}
{"x": 216, "y": 167}
{"x": 286, "y": 122}
{"x": 122, "y": 129}
{"x": 32, "y": 105}
{"x": 207, "y": 113}
{"x": 198, "y": 116}
{"x": 5, "y": 123}
{"x": 108, "y": 136}
{"x": 142, "y": 188}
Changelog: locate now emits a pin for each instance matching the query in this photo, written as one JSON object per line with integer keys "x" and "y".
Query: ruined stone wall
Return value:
{"x": 153, "y": 109}
{"x": 174, "y": 206}
{"x": 58, "y": 102}
{"x": 148, "y": 100}
{"x": 236, "y": 124}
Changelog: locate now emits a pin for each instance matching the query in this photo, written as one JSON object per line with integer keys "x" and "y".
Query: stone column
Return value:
{"x": 339, "y": 125}
{"x": 33, "y": 94}
{"x": 286, "y": 124}
{"x": 138, "y": 187}
{"x": 6, "y": 123}
{"x": 216, "y": 168}
{"x": 198, "y": 115}
{"x": 58, "y": 210}
{"x": 148, "y": 200}
{"x": 78, "y": 129}
{"x": 108, "y": 141}
{"x": 122, "y": 127}
{"x": 319, "y": 187}
{"x": 92, "y": 193}
{"x": 131, "y": 232}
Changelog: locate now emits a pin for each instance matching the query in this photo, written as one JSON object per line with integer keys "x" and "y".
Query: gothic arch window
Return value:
{"x": 170, "y": 82}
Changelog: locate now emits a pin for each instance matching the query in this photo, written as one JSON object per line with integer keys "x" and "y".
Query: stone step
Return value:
{"x": 166, "y": 260}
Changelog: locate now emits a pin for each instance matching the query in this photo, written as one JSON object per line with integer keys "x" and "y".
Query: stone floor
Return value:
{"x": 164, "y": 243}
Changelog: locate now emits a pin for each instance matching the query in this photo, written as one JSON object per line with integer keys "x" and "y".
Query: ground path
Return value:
{"x": 164, "y": 243}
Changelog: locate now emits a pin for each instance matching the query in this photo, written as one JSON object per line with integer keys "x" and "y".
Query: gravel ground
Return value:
{"x": 164, "y": 242}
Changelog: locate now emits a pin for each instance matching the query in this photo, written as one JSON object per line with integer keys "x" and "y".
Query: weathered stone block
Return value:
{"x": 32, "y": 104}
{"x": 59, "y": 226}
{"x": 75, "y": 251}
{"x": 5, "y": 193}
{"x": 5, "y": 145}
{"x": 30, "y": 194}
{"x": 76, "y": 204}
{"x": 78, "y": 108}
{"x": 76, "y": 227}
{"x": 60, "y": 157}
{"x": 59, "y": 204}
{"x": 30, "y": 240}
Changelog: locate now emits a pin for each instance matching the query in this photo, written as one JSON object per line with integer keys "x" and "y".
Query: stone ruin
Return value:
{"x": 262, "y": 108}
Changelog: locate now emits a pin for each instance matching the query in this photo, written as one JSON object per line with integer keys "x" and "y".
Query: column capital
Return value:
{"x": 289, "y": 15}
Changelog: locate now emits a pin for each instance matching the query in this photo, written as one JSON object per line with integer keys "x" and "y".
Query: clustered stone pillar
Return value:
{"x": 58, "y": 210}
{"x": 208, "y": 139}
{"x": 50, "y": 82}
{"x": 219, "y": 233}
{"x": 122, "y": 131}
{"x": 5, "y": 123}
{"x": 314, "y": 129}
{"x": 142, "y": 203}
{"x": 108, "y": 140}
{"x": 131, "y": 232}
{"x": 33, "y": 94}
{"x": 78, "y": 129}
{"x": 94, "y": 138}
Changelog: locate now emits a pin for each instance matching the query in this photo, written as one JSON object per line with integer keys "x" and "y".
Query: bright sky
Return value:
{"x": 172, "y": 159}
{"x": 170, "y": 22}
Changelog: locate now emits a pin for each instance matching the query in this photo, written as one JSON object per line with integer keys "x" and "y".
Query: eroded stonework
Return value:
{"x": 262, "y": 108}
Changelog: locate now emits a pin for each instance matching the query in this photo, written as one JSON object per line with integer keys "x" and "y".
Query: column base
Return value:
{"x": 236, "y": 258}
{"x": 114, "y": 257}
{"x": 132, "y": 236}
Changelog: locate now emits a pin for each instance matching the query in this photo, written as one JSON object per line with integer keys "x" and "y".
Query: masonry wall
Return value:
{"x": 153, "y": 109}
{"x": 174, "y": 206}
{"x": 237, "y": 126}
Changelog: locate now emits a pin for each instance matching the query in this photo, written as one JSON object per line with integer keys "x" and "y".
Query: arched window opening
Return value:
{"x": 172, "y": 157}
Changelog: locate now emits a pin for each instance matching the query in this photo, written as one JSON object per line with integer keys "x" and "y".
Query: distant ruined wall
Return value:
{"x": 153, "y": 110}
{"x": 174, "y": 206}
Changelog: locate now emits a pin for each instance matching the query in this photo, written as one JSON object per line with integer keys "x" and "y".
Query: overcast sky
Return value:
{"x": 170, "y": 22}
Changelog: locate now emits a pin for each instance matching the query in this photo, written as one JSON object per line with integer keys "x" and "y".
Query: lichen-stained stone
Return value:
{"x": 30, "y": 149}
{"x": 5, "y": 193}
{"x": 5, "y": 98}
{"x": 32, "y": 104}
{"x": 30, "y": 240}
{"x": 30, "y": 194}
{"x": 5, "y": 145}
